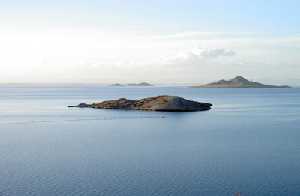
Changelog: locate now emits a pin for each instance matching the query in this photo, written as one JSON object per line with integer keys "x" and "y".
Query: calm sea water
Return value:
{"x": 249, "y": 143}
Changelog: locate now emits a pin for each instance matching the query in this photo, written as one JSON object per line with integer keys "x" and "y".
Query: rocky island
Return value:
{"x": 162, "y": 103}
{"x": 133, "y": 84}
{"x": 238, "y": 82}
{"x": 140, "y": 84}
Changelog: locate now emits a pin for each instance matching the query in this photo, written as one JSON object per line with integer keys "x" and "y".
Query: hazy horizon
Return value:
{"x": 183, "y": 42}
{"x": 132, "y": 82}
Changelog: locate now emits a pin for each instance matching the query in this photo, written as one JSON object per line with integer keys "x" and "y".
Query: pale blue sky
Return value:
{"x": 87, "y": 37}
{"x": 273, "y": 16}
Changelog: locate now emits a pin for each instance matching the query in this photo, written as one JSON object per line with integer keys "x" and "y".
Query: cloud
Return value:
{"x": 202, "y": 56}
{"x": 215, "y": 53}
{"x": 90, "y": 55}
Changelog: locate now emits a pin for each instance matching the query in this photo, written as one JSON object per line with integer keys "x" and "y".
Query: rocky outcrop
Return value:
{"x": 163, "y": 103}
{"x": 238, "y": 82}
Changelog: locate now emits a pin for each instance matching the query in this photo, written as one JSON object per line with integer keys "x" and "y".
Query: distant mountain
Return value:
{"x": 238, "y": 82}
{"x": 133, "y": 84}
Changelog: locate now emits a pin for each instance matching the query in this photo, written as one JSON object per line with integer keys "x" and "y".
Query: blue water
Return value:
{"x": 249, "y": 143}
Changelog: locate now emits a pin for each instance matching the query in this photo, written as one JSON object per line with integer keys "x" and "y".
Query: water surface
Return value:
{"x": 248, "y": 143}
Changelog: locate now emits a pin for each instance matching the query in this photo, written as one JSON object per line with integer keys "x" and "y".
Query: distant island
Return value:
{"x": 133, "y": 84}
{"x": 238, "y": 82}
{"x": 162, "y": 103}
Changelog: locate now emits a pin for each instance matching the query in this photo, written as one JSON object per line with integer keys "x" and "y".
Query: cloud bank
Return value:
{"x": 95, "y": 56}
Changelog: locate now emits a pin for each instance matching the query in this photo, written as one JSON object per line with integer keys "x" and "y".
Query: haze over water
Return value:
{"x": 248, "y": 143}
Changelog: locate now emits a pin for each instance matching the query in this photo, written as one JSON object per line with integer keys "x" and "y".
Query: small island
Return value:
{"x": 162, "y": 103}
{"x": 140, "y": 84}
{"x": 133, "y": 84}
{"x": 238, "y": 82}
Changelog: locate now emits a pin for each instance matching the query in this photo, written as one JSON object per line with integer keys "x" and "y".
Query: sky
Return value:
{"x": 162, "y": 42}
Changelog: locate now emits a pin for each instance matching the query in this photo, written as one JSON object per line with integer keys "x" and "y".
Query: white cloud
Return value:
{"x": 93, "y": 56}
{"x": 215, "y": 53}
{"x": 200, "y": 56}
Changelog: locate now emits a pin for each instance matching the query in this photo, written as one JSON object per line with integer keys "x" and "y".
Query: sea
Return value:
{"x": 248, "y": 144}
